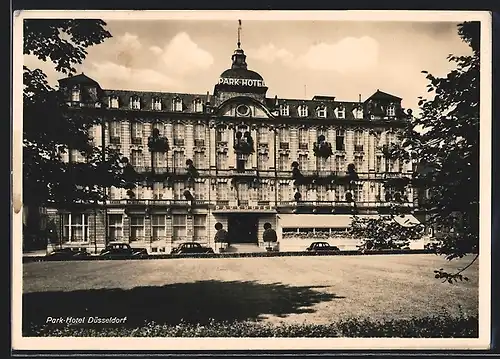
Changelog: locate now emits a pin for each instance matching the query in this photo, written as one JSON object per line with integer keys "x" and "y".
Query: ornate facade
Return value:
{"x": 236, "y": 157}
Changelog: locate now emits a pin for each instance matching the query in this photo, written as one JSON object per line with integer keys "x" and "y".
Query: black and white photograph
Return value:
{"x": 203, "y": 180}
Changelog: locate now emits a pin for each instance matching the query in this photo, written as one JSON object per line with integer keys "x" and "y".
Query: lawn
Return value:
{"x": 291, "y": 290}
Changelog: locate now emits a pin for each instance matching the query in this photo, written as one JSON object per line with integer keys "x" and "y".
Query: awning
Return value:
{"x": 335, "y": 220}
{"x": 318, "y": 220}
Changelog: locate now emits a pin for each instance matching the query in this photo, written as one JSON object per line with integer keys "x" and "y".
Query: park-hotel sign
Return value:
{"x": 241, "y": 82}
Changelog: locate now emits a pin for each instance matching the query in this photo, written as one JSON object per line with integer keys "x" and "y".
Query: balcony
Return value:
{"x": 284, "y": 146}
{"x": 303, "y": 146}
{"x": 178, "y": 142}
{"x": 358, "y": 148}
{"x": 263, "y": 145}
{"x": 199, "y": 143}
{"x": 263, "y": 203}
{"x": 114, "y": 140}
{"x": 222, "y": 203}
{"x": 136, "y": 141}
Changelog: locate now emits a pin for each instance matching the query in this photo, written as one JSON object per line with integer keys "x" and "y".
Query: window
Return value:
{"x": 243, "y": 191}
{"x": 390, "y": 165}
{"x": 321, "y": 193}
{"x": 285, "y": 192}
{"x": 199, "y": 190}
{"x": 137, "y": 231}
{"x": 222, "y": 191}
{"x": 340, "y": 163}
{"x": 284, "y": 135}
{"x": 158, "y": 227}
{"x": 221, "y": 160}
{"x": 284, "y": 110}
{"x": 178, "y": 134}
{"x": 322, "y": 164}
{"x": 358, "y": 113}
{"x": 303, "y": 162}
{"x": 339, "y": 193}
{"x": 115, "y": 129}
{"x": 136, "y": 133}
{"x": 76, "y": 227}
{"x": 160, "y": 126}
{"x": 199, "y": 132}
{"x": 158, "y": 190}
{"x": 159, "y": 159}
{"x": 303, "y": 137}
{"x": 263, "y": 161}
{"x": 179, "y": 230}
{"x": 263, "y": 193}
{"x": 199, "y": 159}
{"x": 339, "y": 140}
{"x": 136, "y": 158}
{"x": 221, "y": 135}
{"x": 113, "y": 102}
{"x": 178, "y": 191}
{"x": 340, "y": 112}
{"x": 358, "y": 141}
{"x": 75, "y": 94}
{"x": 177, "y": 104}
{"x": 303, "y": 111}
{"x": 263, "y": 135}
{"x": 390, "y": 138}
{"x": 135, "y": 103}
{"x": 378, "y": 164}
{"x": 358, "y": 163}
{"x": 321, "y": 112}
{"x": 179, "y": 160}
{"x": 391, "y": 110}
{"x": 200, "y": 227}
{"x": 198, "y": 105}
{"x": 283, "y": 162}
{"x": 115, "y": 227}
{"x": 303, "y": 190}
{"x": 76, "y": 156}
{"x": 156, "y": 104}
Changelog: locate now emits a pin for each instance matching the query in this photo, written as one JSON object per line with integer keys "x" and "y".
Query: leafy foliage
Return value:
{"x": 51, "y": 130}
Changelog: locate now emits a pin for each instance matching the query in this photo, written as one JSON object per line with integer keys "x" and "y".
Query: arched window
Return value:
{"x": 198, "y": 105}
{"x": 177, "y": 104}
{"x": 303, "y": 111}
{"x": 340, "y": 111}
{"x": 358, "y": 113}
{"x": 156, "y": 104}
{"x": 113, "y": 102}
{"x": 321, "y": 111}
{"x": 135, "y": 103}
{"x": 284, "y": 110}
{"x": 391, "y": 110}
{"x": 75, "y": 94}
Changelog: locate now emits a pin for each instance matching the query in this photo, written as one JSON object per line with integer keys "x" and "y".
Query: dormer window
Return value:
{"x": 156, "y": 104}
{"x": 75, "y": 94}
{"x": 198, "y": 105}
{"x": 177, "y": 104}
{"x": 135, "y": 103}
{"x": 303, "y": 111}
{"x": 284, "y": 110}
{"x": 113, "y": 102}
{"x": 358, "y": 113}
{"x": 340, "y": 112}
{"x": 391, "y": 110}
{"x": 321, "y": 112}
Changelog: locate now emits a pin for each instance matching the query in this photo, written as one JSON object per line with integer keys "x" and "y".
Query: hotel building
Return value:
{"x": 237, "y": 157}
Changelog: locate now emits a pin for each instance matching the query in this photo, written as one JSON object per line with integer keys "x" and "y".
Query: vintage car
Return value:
{"x": 322, "y": 247}
{"x": 66, "y": 253}
{"x": 191, "y": 248}
{"x": 123, "y": 250}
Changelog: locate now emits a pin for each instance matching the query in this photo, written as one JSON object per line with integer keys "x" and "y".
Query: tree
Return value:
{"x": 49, "y": 130}
{"x": 445, "y": 140}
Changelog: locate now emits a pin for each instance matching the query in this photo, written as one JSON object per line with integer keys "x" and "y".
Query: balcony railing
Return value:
{"x": 114, "y": 140}
{"x": 178, "y": 142}
{"x": 303, "y": 146}
{"x": 199, "y": 143}
{"x": 284, "y": 146}
{"x": 222, "y": 203}
{"x": 136, "y": 141}
{"x": 358, "y": 148}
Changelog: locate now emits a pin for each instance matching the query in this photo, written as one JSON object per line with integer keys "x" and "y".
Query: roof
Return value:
{"x": 380, "y": 95}
{"x": 80, "y": 79}
{"x": 240, "y": 73}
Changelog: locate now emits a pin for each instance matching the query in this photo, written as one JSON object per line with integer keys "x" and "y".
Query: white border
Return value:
{"x": 40, "y": 344}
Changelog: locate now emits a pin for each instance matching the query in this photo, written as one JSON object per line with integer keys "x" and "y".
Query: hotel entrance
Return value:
{"x": 243, "y": 228}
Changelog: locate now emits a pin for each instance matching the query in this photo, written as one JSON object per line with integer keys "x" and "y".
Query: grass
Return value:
{"x": 271, "y": 291}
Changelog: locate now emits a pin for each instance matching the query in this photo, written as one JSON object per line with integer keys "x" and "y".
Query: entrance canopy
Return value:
{"x": 334, "y": 220}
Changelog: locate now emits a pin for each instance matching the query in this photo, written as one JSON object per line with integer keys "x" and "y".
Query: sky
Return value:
{"x": 297, "y": 59}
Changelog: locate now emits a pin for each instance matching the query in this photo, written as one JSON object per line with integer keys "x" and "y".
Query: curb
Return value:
{"x": 27, "y": 259}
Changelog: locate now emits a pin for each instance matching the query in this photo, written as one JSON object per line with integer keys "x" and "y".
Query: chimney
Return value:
{"x": 276, "y": 100}
{"x": 208, "y": 97}
{"x": 359, "y": 97}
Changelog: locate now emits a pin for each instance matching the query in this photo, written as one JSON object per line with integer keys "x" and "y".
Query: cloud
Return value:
{"x": 182, "y": 55}
{"x": 111, "y": 75}
{"x": 129, "y": 41}
{"x": 346, "y": 56}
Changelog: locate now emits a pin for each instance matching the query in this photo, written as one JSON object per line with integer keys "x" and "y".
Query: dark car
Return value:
{"x": 192, "y": 248}
{"x": 65, "y": 253}
{"x": 322, "y": 247}
{"x": 123, "y": 250}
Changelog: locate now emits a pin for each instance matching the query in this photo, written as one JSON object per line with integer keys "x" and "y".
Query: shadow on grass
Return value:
{"x": 196, "y": 302}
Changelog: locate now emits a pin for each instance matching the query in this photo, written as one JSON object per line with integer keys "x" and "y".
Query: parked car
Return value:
{"x": 191, "y": 248}
{"x": 64, "y": 253}
{"x": 322, "y": 247}
{"x": 123, "y": 250}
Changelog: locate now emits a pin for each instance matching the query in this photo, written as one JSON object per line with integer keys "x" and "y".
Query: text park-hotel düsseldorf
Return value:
{"x": 239, "y": 158}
